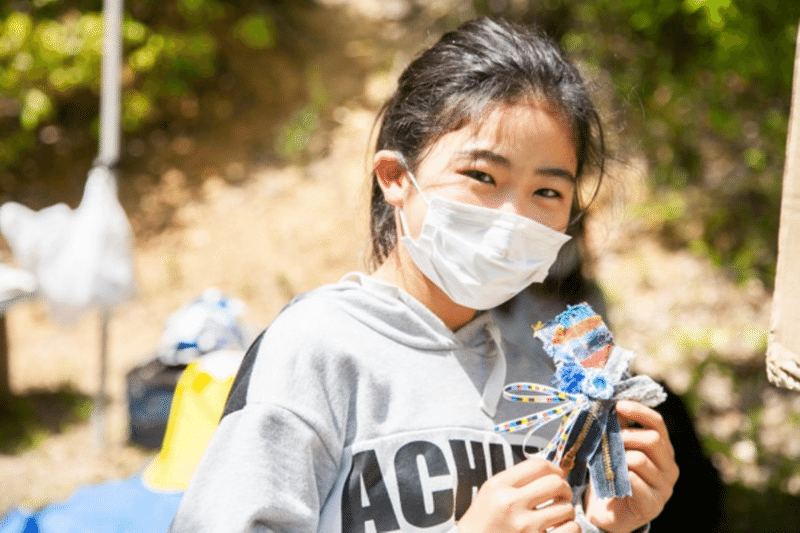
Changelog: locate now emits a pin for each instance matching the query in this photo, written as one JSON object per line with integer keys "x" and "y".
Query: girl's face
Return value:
{"x": 520, "y": 158}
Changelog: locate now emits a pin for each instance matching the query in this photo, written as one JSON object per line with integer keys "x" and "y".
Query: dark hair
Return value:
{"x": 480, "y": 64}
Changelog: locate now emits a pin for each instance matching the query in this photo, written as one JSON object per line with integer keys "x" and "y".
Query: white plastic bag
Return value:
{"x": 80, "y": 258}
{"x": 15, "y": 284}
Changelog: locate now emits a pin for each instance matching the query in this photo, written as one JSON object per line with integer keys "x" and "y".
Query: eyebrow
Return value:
{"x": 493, "y": 157}
{"x": 558, "y": 173}
{"x": 487, "y": 155}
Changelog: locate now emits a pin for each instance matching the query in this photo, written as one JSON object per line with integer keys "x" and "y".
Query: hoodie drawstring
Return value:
{"x": 493, "y": 388}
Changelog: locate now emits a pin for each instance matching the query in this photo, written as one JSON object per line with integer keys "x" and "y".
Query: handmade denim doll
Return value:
{"x": 592, "y": 374}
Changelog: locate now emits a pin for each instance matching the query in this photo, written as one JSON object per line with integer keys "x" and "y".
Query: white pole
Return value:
{"x": 110, "y": 84}
{"x": 108, "y": 156}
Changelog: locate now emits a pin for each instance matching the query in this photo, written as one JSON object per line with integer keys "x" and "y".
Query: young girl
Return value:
{"x": 369, "y": 405}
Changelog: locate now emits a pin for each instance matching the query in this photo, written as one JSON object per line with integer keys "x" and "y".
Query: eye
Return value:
{"x": 480, "y": 176}
{"x": 548, "y": 193}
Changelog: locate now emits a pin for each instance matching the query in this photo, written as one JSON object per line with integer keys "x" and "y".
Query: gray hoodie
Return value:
{"x": 359, "y": 410}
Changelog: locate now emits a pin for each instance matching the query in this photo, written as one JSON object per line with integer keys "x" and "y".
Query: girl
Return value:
{"x": 369, "y": 405}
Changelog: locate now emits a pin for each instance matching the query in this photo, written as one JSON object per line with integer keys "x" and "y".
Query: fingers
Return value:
{"x": 554, "y": 515}
{"x": 554, "y": 511}
{"x": 549, "y": 501}
{"x": 530, "y": 496}
{"x": 652, "y": 485}
{"x": 653, "y": 462}
{"x": 568, "y": 527}
{"x": 650, "y": 457}
{"x": 541, "y": 492}
{"x": 644, "y": 467}
{"x": 652, "y": 440}
{"x": 630, "y": 411}
{"x": 652, "y": 470}
{"x": 528, "y": 485}
{"x": 528, "y": 471}
{"x": 648, "y": 500}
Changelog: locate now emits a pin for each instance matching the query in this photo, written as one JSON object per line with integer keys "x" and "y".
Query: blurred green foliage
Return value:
{"x": 51, "y": 54}
{"x": 294, "y": 136}
{"x": 706, "y": 87}
{"x": 256, "y": 31}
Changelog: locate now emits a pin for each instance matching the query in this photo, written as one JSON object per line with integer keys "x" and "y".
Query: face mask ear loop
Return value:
{"x": 402, "y": 161}
{"x": 404, "y": 224}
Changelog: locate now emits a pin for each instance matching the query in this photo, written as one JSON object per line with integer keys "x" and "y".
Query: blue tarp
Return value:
{"x": 121, "y": 506}
{"x": 147, "y": 502}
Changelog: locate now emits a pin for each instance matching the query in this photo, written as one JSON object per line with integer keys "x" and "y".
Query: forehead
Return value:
{"x": 509, "y": 127}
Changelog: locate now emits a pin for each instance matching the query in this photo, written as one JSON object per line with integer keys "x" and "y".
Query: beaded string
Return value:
{"x": 559, "y": 442}
{"x": 568, "y": 409}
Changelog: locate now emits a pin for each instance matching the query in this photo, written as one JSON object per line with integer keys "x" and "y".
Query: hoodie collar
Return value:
{"x": 422, "y": 329}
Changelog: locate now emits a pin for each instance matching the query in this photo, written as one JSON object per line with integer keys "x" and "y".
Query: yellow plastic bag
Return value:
{"x": 193, "y": 417}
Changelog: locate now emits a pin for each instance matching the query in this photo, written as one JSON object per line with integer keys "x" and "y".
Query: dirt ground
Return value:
{"x": 283, "y": 231}
{"x": 280, "y": 230}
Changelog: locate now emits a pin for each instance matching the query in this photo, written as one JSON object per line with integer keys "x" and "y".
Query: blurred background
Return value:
{"x": 246, "y": 131}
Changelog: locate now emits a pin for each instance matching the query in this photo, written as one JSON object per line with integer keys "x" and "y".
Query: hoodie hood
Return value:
{"x": 397, "y": 315}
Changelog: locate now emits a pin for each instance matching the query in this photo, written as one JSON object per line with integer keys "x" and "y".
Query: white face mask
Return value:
{"x": 480, "y": 257}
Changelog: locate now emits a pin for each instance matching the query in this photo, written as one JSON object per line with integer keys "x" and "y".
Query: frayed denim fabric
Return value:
{"x": 592, "y": 374}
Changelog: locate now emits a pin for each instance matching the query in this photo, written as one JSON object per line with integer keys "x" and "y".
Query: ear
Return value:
{"x": 391, "y": 177}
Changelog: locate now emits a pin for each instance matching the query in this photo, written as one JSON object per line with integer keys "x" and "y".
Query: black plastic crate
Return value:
{"x": 151, "y": 387}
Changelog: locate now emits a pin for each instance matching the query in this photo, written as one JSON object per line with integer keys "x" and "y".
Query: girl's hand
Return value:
{"x": 652, "y": 468}
{"x": 531, "y": 496}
